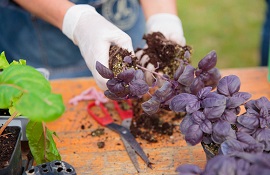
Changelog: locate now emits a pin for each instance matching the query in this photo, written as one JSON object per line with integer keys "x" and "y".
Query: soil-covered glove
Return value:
{"x": 94, "y": 35}
{"x": 169, "y": 25}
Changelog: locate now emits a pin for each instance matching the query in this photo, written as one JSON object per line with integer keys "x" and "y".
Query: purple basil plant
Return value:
{"x": 239, "y": 163}
{"x": 213, "y": 112}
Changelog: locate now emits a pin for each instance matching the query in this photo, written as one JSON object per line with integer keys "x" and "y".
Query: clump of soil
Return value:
{"x": 116, "y": 59}
{"x": 8, "y": 141}
{"x": 164, "y": 54}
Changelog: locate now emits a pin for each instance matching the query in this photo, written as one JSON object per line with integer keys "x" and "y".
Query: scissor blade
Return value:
{"x": 126, "y": 123}
{"x": 132, "y": 154}
{"x": 124, "y": 132}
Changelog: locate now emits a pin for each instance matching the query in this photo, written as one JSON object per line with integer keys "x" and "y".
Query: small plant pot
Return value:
{"x": 20, "y": 121}
{"x": 209, "y": 153}
{"x": 11, "y": 163}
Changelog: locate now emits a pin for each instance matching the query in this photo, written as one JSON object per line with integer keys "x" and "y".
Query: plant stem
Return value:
{"x": 153, "y": 72}
{"x": 7, "y": 122}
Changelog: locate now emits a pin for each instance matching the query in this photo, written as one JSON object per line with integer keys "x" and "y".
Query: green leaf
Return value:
{"x": 46, "y": 107}
{"x": 20, "y": 62}
{"x": 7, "y": 95}
{"x": 41, "y": 143}
{"x": 24, "y": 77}
{"x": 29, "y": 92}
{"x": 3, "y": 61}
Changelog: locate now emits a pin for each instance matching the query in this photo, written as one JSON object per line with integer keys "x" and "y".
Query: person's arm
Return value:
{"x": 151, "y": 7}
{"x": 90, "y": 31}
{"x": 52, "y": 11}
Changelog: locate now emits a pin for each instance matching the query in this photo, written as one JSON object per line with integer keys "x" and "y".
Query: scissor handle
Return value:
{"x": 124, "y": 114}
{"x": 103, "y": 120}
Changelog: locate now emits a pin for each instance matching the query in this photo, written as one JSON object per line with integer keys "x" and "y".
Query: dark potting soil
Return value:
{"x": 4, "y": 112}
{"x": 7, "y": 143}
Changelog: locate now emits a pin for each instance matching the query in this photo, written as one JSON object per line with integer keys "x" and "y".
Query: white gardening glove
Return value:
{"x": 94, "y": 35}
{"x": 171, "y": 27}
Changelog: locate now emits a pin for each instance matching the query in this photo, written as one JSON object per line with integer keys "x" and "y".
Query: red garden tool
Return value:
{"x": 131, "y": 145}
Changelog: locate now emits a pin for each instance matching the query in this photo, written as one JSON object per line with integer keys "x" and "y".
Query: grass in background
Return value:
{"x": 232, "y": 28}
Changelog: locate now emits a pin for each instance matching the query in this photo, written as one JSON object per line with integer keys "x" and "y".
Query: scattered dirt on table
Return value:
{"x": 101, "y": 144}
{"x": 98, "y": 132}
{"x": 153, "y": 128}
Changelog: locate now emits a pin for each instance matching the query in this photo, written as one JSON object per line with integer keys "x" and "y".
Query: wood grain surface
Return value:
{"x": 79, "y": 148}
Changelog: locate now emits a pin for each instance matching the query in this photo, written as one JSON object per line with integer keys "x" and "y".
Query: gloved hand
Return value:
{"x": 94, "y": 35}
{"x": 171, "y": 27}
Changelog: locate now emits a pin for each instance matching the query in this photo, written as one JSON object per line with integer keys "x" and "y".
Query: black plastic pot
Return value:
{"x": 14, "y": 166}
{"x": 21, "y": 121}
{"x": 208, "y": 152}
{"x": 56, "y": 167}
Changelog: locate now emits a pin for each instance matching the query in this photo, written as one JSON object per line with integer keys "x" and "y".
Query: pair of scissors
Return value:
{"x": 131, "y": 145}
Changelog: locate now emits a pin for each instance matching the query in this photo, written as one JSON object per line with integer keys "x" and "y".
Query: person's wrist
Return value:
{"x": 161, "y": 17}
{"x": 72, "y": 17}
{"x": 169, "y": 25}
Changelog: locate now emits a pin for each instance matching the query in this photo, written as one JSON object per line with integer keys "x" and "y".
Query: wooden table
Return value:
{"x": 78, "y": 148}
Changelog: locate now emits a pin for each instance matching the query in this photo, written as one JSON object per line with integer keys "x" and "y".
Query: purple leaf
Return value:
{"x": 127, "y": 59}
{"x": 138, "y": 88}
{"x": 104, "y": 71}
{"x": 180, "y": 102}
{"x": 213, "y": 78}
{"x": 208, "y": 62}
{"x": 189, "y": 169}
{"x": 263, "y": 136}
{"x": 194, "y": 135}
{"x": 117, "y": 88}
{"x": 262, "y": 102}
{"x": 251, "y": 144}
{"x": 213, "y": 99}
{"x": 248, "y": 121}
{"x": 228, "y": 85}
{"x": 112, "y": 96}
{"x": 230, "y": 146}
{"x": 151, "y": 106}
{"x": 244, "y": 95}
{"x": 214, "y": 112}
{"x": 233, "y": 102}
{"x": 179, "y": 70}
{"x": 198, "y": 117}
{"x": 139, "y": 75}
{"x": 220, "y": 164}
{"x": 204, "y": 92}
{"x": 193, "y": 106}
{"x": 186, "y": 123}
{"x": 187, "y": 76}
{"x": 229, "y": 116}
{"x": 221, "y": 131}
{"x": 126, "y": 75}
{"x": 196, "y": 85}
{"x": 206, "y": 126}
{"x": 164, "y": 92}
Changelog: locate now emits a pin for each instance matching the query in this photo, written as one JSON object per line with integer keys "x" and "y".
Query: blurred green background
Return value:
{"x": 231, "y": 27}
